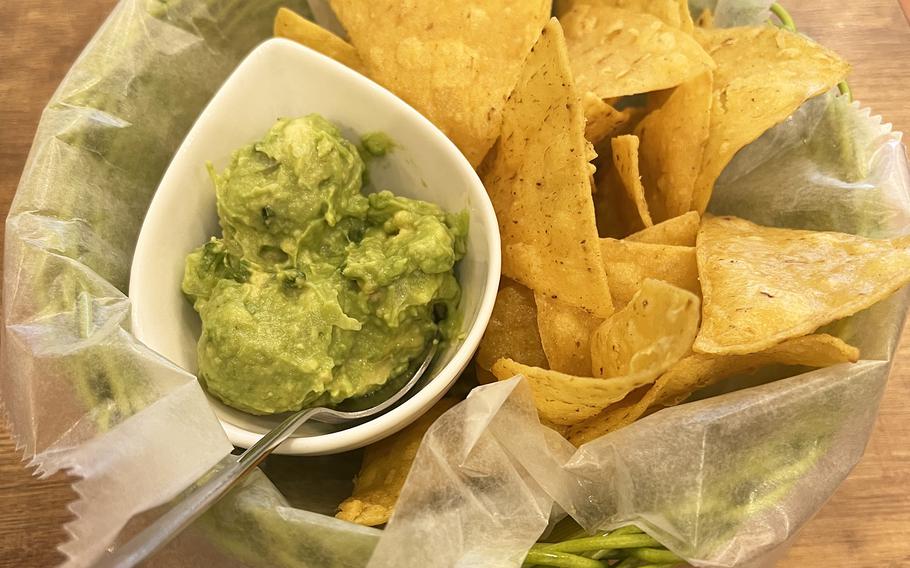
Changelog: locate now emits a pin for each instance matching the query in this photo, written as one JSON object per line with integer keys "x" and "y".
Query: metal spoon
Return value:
{"x": 198, "y": 500}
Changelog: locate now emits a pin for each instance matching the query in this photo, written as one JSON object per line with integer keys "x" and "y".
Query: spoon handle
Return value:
{"x": 198, "y": 500}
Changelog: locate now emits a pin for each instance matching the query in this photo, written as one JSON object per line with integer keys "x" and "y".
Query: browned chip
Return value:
{"x": 538, "y": 178}
{"x": 673, "y": 139}
{"x": 565, "y": 333}
{"x": 678, "y": 231}
{"x": 384, "y": 470}
{"x": 616, "y": 52}
{"x": 455, "y": 62}
{"x": 764, "y": 285}
{"x": 291, "y": 25}
{"x": 698, "y": 371}
{"x": 763, "y": 74}
{"x": 630, "y": 263}
{"x": 625, "y": 160}
{"x": 512, "y": 331}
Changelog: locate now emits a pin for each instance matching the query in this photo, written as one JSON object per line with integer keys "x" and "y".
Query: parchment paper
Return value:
{"x": 723, "y": 481}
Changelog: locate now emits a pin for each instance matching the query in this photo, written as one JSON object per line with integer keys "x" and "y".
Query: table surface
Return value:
{"x": 866, "y": 523}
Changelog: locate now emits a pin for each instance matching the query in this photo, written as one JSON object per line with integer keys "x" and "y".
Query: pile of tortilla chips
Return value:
{"x": 599, "y": 135}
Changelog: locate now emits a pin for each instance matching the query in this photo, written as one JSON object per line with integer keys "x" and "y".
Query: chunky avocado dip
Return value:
{"x": 317, "y": 293}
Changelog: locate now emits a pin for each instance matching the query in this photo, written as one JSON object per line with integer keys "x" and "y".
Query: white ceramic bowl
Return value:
{"x": 283, "y": 79}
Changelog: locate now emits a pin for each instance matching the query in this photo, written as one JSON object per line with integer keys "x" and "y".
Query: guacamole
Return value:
{"x": 316, "y": 292}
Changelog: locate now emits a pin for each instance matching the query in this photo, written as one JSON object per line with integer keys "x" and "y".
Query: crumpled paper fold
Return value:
{"x": 726, "y": 480}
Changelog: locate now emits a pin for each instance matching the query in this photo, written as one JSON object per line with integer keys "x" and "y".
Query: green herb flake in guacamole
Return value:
{"x": 317, "y": 293}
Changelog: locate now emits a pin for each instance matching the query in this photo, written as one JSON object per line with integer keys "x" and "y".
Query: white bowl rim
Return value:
{"x": 405, "y": 413}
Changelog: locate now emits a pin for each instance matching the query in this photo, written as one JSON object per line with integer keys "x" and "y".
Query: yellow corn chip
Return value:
{"x": 614, "y": 211}
{"x": 384, "y": 470}
{"x": 625, "y": 160}
{"x": 764, "y": 285}
{"x": 564, "y": 400}
{"x": 673, "y": 139}
{"x": 616, "y": 52}
{"x": 698, "y": 371}
{"x": 634, "y": 346}
{"x": 565, "y": 333}
{"x": 763, "y": 74}
{"x": 678, "y": 231}
{"x": 455, "y": 62}
{"x": 290, "y": 25}
{"x": 538, "y": 179}
{"x": 630, "y": 263}
{"x": 512, "y": 331}
{"x": 601, "y": 119}
{"x": 654, "y": 331}
{"x": 674, "y": 13}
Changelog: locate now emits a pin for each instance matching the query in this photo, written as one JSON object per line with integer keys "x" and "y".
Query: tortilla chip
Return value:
{"x": 564, "y": 400}
{"x": 455, "y": 62}
{"x": 698, "y": 371}
{"x": 616, "y": 52}
{"x": 512, "y": 331}
{"x": 630, "y": 263}
{"x": 293, "y": 26}
{"x": 384, "y": 470}
{"x": 763, "y": 74}
{"x": 654, "y": 331}
{"x": 601, "y": 119}
{"x": 673, "y": 139}
{"x": 614, "y": 211}
{"x": 678, "y": 231}
{"x": 625, "y": 160}
{"x": 764, "y": 285}
{"x": 674, "y": 13}
{"x": 565, "y": 333}
{"x": 538, "y": 179}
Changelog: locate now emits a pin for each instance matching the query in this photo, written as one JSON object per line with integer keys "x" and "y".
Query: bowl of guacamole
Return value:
{"x": 312, "y": 236}
{"x": 317, "y": 293}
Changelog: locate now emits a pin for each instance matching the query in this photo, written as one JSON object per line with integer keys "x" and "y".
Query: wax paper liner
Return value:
{"x": 723, "y": 481}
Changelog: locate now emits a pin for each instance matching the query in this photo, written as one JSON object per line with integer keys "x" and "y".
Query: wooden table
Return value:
{"x": 866, "y": 523}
